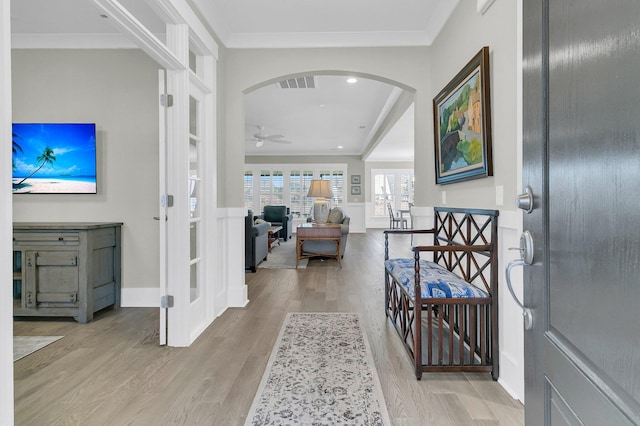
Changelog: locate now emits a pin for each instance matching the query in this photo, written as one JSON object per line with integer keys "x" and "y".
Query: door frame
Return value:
{"x": 162, "y": 204}
{"x": 6, "y": 220}
{"x": 532, "y": 134}
{"x": 184, "y": 32}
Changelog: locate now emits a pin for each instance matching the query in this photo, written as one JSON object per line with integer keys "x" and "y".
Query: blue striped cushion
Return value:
{"x": 435, "y": 281}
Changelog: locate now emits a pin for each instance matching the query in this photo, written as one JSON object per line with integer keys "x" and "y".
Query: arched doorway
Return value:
{"x": 324, "y": 120}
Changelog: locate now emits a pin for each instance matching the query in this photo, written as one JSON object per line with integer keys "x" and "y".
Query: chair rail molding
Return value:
{"x": 356, "y": 211}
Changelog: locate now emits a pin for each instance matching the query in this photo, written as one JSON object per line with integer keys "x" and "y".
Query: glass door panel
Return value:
{"x": 195, "y": 179}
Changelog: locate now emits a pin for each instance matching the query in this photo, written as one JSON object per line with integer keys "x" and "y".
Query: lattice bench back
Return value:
{"x": 469, "y": 227}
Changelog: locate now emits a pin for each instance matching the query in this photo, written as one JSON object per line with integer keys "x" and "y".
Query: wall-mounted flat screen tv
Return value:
{"x": 54, "y": 158}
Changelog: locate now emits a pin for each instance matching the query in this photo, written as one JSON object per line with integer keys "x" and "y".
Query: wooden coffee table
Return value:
{"x": 317, "y": 232}
{"x": 274, "y": 236}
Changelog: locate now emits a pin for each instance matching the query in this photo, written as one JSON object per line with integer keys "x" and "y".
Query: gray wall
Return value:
{"x": 117, "y": 90}
{"x": 407, "y": 67}
{"x": 425, "y": 69}
{"x": 463, "y": 36}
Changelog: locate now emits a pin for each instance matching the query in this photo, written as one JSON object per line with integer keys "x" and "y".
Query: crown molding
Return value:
{"x": 71, "y": 41}
{"x": 318, "y": 39}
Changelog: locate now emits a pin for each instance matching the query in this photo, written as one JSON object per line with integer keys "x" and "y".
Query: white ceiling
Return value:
{"x": 334, "y": 118}
{"x": 294, "y": 113}
{"x": 326, "y": 23}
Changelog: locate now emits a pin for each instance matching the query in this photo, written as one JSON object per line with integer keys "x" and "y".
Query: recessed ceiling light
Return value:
{"x": 103, "y": 16}
{"x": 362, "y": 127}
{"x": 322, "y": 105}
{"x": 340, "y": 147}
{"x": 352, "y": 80}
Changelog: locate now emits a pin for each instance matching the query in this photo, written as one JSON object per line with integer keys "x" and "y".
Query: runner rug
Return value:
{"x": 320, "y": 372}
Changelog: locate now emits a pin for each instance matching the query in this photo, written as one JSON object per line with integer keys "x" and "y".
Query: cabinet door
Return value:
{"x": 51, "y": 279}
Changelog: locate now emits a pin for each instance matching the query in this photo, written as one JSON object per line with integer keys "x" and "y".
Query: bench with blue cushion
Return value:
{"x": 436, "y": 281}
{"x": 445, "y": 309}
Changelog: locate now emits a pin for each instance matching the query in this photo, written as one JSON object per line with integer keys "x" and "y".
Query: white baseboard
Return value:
{"x": 140, "y": 297}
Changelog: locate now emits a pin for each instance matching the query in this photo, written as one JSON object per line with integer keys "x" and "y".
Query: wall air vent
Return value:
{"x": 307, "y": 82}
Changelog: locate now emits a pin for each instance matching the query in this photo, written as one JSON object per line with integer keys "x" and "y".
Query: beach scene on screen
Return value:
{"x": 53, "y": 158}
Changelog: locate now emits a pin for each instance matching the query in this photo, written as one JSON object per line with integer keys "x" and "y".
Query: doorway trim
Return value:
{"x": 185, "y": 35}
{"x": 6, "y": 220}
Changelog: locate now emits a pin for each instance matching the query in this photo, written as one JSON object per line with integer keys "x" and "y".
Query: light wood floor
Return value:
{"x": 112, "y": 371}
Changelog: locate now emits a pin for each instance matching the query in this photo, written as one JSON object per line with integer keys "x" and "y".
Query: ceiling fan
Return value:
{"x": 260, "y": 138}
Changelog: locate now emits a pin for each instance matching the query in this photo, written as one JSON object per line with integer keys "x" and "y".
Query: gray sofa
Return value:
{"x": 320, "y": 247}
{"x": 256, "y": 242}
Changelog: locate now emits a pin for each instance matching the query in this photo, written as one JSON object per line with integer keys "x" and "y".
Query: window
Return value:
{"x": 265, "y": 189}
{"x": 248, "y": 189}
{"x": 299, "y": 182}
{"x": 336, "y": 177}
{"x": 406, "y": 190}
{"x": 394, "y": 187}
{"x": 277, "y": 182}
{"x": 271, "y": 188}
{"x": 288, "y": 185}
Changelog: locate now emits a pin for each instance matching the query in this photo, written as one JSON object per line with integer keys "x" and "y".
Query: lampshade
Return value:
{"x": 320, "y": 188}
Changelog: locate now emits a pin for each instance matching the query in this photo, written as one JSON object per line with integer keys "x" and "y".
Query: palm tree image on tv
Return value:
{"x": 54, "y": 158}
{"x": 46, "y": 157}
{"x": 15, "y": 148}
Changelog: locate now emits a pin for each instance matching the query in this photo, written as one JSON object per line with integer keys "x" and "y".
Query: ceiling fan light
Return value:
{"x": 352, "y": 80}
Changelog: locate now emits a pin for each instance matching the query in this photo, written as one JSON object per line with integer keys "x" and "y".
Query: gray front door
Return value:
{"x": 582, "y": 160}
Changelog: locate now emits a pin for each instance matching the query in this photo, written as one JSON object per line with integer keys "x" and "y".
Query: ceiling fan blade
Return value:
{"x": 279, "y": 141}
{"x": 273, "y": 137}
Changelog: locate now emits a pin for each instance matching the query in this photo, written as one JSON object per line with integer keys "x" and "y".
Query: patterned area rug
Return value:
{"x": 320, "y": 372}
{"x": 283, "y": 256}
{"x": 26, "y": 345}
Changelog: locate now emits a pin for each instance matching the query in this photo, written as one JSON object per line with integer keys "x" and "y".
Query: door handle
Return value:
{"x": 524, "y": 201}
{"x": 526, "y": 258}
{"x": 158, "y": 218}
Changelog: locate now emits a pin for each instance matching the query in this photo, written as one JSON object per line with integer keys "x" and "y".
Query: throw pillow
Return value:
{"x": 335, "y": 215}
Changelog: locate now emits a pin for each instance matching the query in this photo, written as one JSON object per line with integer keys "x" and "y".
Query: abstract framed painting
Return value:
{"x": 462, "y": 124}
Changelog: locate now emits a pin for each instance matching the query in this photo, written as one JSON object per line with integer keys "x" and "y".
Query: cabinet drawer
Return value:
{"x": 57, "y": 298}
{"x": 45, "y": 238}
{"x": 56, "y": 258}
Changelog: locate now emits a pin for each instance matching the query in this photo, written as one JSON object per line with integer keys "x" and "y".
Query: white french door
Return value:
{"x": 162, "y": 204}
{"x": 188, "y": 55}
{"x": 197, "y": 202}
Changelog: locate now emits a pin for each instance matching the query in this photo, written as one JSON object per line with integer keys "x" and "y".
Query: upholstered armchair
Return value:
{"x": 256, "y": 242}
{"x": 279, "y": 216}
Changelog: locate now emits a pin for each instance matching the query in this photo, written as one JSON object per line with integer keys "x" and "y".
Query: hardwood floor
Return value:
{"x": 112, "y": 371}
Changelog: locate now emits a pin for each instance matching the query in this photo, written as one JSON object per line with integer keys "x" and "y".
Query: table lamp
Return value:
{"x": 321, "y": 190}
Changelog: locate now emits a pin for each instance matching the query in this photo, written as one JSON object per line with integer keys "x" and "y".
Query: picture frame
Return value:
{"x": 355, "y": 190}
{"x": 355, "y": 179}
{"x": 462, "y": 124}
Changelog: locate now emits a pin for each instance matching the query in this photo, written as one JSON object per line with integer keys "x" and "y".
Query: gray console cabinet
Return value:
{"x": 66, "y": 269}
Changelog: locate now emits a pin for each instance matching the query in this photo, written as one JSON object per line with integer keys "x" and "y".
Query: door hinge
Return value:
{"x": 166, "y": 200}
{"x": 166, "y": 100}
{"x": 166, "y": 301}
